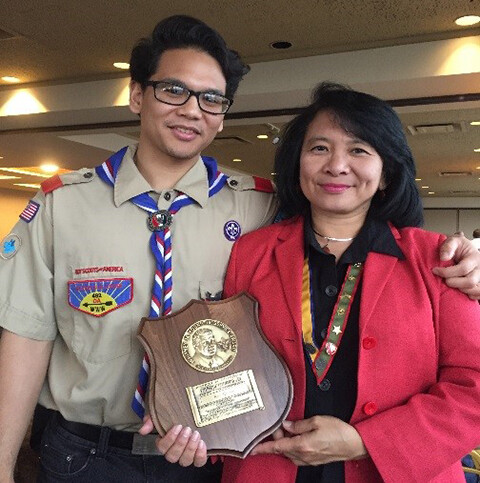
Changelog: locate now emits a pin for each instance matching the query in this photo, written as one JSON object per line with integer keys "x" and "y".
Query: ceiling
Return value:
{"x": 54, "y": 46}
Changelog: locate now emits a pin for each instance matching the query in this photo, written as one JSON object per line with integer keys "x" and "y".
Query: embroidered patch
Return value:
{"x": 232, "y": 230}
{"x": 30, "y": 211}
{"x": 101, "y": 296}
{"x": 85, "y": 270}
{"x": 10, "y": 246}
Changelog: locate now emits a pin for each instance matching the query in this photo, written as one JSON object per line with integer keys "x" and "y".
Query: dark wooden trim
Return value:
{"x": 415, "y": 101}
{"x": 71, "y": 127}
{"x": 293, "y": 111}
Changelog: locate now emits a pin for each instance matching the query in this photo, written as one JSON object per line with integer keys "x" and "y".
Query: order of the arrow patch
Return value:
{"x": 101, "y": 296}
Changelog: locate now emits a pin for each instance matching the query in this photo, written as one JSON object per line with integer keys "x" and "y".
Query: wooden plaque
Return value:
{"x": 212, "y": 369}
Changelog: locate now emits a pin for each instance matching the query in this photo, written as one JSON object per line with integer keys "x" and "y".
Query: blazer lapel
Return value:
{"x": 289, "y": 255}
{"x": 378, "y": 269}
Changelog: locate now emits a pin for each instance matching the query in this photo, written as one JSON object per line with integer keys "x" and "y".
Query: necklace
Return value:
{"x": 331, "y": 238}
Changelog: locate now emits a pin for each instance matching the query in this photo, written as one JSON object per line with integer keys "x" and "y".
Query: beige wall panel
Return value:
{"x": 12, "y": 204}
{"x": 469, "y": 220}
{"x": 442, "y": 221}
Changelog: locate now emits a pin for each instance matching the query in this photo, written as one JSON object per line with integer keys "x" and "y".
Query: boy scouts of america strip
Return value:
{"x": 30, "y": 211}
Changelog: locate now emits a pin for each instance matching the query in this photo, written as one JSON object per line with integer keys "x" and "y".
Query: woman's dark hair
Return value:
{"x": 181, "y": 31}
{"x": 375, "y": 122}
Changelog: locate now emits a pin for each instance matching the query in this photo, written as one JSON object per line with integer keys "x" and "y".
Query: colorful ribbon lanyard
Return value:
{"x": 322, "y": 358}
{"x": 159, "y": 222}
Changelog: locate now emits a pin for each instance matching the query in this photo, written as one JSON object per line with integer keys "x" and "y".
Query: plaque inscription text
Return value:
{"x": 224, "y": 398}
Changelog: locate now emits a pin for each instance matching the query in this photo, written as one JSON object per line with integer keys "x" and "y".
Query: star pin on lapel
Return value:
{"x": 336, "y": 330}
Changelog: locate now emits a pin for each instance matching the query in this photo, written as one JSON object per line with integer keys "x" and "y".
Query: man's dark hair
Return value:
{"x": 375, "y": 122}
{"x": 181, "y": 31}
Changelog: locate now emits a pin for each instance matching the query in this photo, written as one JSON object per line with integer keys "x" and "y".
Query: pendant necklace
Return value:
{"x": 331, "y": 238}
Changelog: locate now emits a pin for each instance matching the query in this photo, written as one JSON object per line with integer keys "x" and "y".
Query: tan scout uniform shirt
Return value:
{"x": 90, "y": 231}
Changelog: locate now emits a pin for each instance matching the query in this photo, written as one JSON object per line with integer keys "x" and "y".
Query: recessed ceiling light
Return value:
{"x": 236, "y": 160}
{"x": 418, "y": 179}
{"x": 281, "y": 45}
{"x": 25, "y": 171}
{"x": 478, "y": 167}
{"x": 28, "y": 185}
{"x": 477, "y": 150}
{"x": 273, "y": 174}
{"x": 11, "y": 79}
{"x": 121, "y": 65}
{"x": 425, "y": 187}
{"x": 23, "y": 101}
{"x": 467, "y": 20}
{"x": 431, "y": 192}
{"x": 49, "y": 168}
{"x": 475, "y": 123}
{"x": 2, "y": 177}
{"x": 262, "y": 136}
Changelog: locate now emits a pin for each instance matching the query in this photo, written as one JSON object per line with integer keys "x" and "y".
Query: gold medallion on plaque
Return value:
{"x": 209, "y": 345}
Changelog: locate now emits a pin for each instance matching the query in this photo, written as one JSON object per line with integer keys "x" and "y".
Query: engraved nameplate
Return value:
{"x": 224, "y": 398}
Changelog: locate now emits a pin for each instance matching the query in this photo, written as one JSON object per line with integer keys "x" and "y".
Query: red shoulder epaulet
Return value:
{"x": 51, "y": 184}
{"x": 263, "y": 184}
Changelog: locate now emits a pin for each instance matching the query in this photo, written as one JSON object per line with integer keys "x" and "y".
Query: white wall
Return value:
{"x": 12, "y": 204}
{"x": 448, "y": 215}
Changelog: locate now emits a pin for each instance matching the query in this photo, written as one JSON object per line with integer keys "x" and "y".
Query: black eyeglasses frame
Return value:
{"x": 191, "y": 93}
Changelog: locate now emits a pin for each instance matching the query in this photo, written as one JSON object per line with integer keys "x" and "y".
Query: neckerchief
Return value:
{"x": 161, "y": 247}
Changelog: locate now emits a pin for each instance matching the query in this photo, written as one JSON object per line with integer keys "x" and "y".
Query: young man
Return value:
{"x": 77, "y": 271}
{"x": 76, "y": 275}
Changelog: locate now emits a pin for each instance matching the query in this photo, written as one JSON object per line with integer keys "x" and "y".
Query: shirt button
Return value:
{"x": 88, "y": 175}
{"x": 325, "y": 385}
{"x": 167, "y": 196}
{"x": 331, "y": 290}
{"x": 369, "y": 343}
{"x": 233, "y": 182}
{"x": 370, "y": 408}
{"x": 310, "y": 348}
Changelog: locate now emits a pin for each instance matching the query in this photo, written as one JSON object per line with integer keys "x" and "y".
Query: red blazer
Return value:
{"x": 418, "y": 402}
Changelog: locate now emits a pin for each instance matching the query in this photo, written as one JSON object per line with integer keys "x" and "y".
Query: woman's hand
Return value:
{"x": 465, "y": 275}
{"x": 315, "y": 441}
{"x": 179, "y": 445}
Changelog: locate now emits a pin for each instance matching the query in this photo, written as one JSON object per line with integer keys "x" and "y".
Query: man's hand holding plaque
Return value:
{"x": 213, "y": 371}
{"x": 178, "y": 445}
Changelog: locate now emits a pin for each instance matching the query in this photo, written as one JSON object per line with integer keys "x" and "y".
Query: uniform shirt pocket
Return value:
{"x": 211, "y": 290}
{"x": 102, "y": 317}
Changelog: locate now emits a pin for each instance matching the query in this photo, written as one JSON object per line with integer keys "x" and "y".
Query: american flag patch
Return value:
{"x": 28, "y": 214}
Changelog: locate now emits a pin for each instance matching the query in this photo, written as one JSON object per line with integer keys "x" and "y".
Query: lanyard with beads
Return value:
{"x": 322, "y": 357}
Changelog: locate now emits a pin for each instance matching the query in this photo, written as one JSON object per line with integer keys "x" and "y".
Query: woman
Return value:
{"x": 383, "y": 355}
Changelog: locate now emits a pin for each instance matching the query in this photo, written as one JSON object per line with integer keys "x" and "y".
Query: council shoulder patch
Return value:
{"x": 10, "y": 246}
{"x": 101, "y": 296}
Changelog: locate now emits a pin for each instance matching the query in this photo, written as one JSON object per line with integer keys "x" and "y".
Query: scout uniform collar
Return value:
{"x": 158, "y": 221}
{"x": 129, "y": 182}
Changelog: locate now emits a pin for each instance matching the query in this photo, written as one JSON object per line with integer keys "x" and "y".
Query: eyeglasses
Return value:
{"x": 176, "y": 95}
